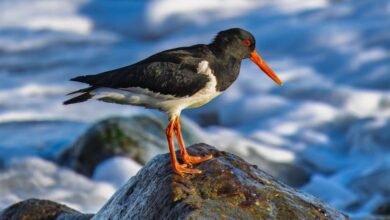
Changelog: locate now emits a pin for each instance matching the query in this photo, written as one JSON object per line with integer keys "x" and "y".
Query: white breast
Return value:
{"x": 203, "y": 96}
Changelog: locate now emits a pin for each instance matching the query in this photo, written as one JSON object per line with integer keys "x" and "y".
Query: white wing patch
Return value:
{"x": 167, "y": 103}
{"x": 203, "y": 67}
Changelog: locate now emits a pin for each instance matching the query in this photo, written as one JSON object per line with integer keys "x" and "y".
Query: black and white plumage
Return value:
{"x": 176, "y": 79}
{"x": 179, "y": 74}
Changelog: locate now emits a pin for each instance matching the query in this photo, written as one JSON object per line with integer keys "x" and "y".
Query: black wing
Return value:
{"x": 171, "y": 72}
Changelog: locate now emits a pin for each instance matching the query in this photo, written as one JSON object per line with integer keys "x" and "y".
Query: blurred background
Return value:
{"x": 325, "y": 132}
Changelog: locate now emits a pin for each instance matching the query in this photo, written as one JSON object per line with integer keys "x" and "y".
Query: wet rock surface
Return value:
{"x": 139, "y": 137}
{"x": 228, "y": 188}
{"x": 36, "y": 209}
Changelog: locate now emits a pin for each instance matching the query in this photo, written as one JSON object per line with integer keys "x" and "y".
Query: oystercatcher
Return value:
{"x": 177, "y": 79}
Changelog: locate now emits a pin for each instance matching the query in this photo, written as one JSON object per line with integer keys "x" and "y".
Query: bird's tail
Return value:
{"x": 80, "y": 98}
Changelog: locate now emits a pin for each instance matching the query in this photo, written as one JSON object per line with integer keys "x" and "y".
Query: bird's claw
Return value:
{"x": 189, "y": 160}
{"x": 182, "y": 168}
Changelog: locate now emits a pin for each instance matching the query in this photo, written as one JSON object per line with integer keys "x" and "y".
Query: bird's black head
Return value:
{"x": 235, "y": 42}
{"x": 240, "y": 44}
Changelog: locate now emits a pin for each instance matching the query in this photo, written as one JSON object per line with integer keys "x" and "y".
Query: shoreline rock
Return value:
{"x": 37, "y": 209}
{"x": 229, "y": 188}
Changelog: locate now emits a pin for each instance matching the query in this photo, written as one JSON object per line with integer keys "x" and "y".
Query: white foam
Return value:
{"x": 198, "y": 11}
{"x": 40, "y": 15}
{"x": 234, "y": 142}
{"x": 26, "y": 178}
{"x": 116, "y": 170}
{"x": 269, "y": 138}
{"x": 202, "y": 11}
{"x": 366, "y": 57}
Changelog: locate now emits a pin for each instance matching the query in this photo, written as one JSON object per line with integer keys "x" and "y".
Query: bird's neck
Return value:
{"x": 226, "y": 68}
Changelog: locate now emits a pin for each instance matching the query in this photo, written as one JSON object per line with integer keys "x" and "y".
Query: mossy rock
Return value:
{"x": 36, "y": 209}
{"x": 138, "y": 137}
{"x": 228, "y": 188}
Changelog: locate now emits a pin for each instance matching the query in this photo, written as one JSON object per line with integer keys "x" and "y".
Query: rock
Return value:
{"x": 35, "y": 209}
{"x": 138, "y": 137}
{"x": 229, "y": 188}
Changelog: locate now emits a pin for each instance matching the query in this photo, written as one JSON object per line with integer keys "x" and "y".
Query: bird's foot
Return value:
{"x": 189, "y": 160}
{"x": 182, "y": 168}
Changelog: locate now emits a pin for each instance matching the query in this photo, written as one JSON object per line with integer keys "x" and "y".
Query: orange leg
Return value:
{"x": 188, "y": 159}
{"x": 177, "y": 167}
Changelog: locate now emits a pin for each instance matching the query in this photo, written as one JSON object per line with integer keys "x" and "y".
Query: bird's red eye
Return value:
{"x": 246, "y": 42}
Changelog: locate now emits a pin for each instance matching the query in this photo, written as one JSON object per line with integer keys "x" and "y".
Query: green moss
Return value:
{"x": 113, "y": 133}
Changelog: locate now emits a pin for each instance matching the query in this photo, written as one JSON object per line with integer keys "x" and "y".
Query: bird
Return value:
{"x": 177, "y": 79}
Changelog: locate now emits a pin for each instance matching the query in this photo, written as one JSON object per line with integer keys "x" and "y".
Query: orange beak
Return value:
{"x": 255, "y": 57}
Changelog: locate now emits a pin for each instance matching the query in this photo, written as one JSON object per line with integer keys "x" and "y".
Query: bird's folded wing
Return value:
{"x": 167, "y": 74}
